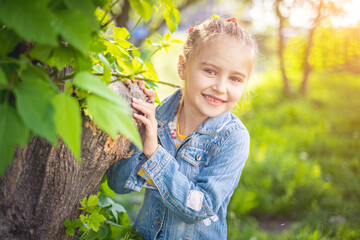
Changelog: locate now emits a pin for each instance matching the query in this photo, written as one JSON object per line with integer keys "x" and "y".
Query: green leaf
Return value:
{"x": 177, "y": 41}
{"x": 137, "y": 65}
{"x": 143, "y": 7}
{"x": 136, "y": 53}
{"x": 94, "y": 221}
{"x": 12, "y": 131}
{"x": 70, "y": 231}
{"x": 150, "y": 72}
{"x": 120, "y": 33}
{"x": 67, "y": 223}
{"x": 77, "y": 223}
{"x": 79, "y": 34}
{"x": 9, "y": 39}
{"x": 168, "y": 2}
{"x": 90, "y": 235}
{"x": 113, "y": 119}
{"x": 106, "y": 68}
{"x": 172, "y": 18}
{"x": 81, "y": 62}
{"x": 101, "y": 15}
{"x": 88, "y": 10}
{"x": 92, "y": 201}
{"x": 33, "y": 102}
{"x": 41, "y": 52}
{"x": 89, "y": 82}
{"x": 3, "y": 80}
{"x": 68, "y": 87}
{"x": 148, "y": 42}
{"x": 83, "y": 204}
{"x": 167, "y": 37}
{"x": 116, "y": 50}
{"x": 126, "y": 66}
{"x": 157, "y": 100}
{"x": 103, "y": 232}
{"x": 68, "y": 122}
{"x": 61, "y": 56}
{"x": 30, "y": 19}
{"x": 105, "y": 189}
{"x": 57, "y": 57}
{"x": 97, "y": 45}
{"x": 124, "y": 219}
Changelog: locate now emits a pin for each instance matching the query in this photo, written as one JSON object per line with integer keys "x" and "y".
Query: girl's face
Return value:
{"x": 215, "y": 77}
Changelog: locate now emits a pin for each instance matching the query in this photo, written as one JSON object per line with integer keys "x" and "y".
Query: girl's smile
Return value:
{"x": 213, "y": 100}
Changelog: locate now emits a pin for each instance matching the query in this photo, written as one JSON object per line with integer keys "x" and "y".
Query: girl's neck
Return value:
{"x": 188, "y": 121}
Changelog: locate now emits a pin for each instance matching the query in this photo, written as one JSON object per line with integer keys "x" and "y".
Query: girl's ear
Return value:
{"x": 181, "y": 67}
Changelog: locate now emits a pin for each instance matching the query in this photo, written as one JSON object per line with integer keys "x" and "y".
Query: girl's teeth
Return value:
{"x": 211, "y": 99}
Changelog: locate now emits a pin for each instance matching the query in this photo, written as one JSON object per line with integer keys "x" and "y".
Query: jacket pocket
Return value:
{"x": 194, "y": 159}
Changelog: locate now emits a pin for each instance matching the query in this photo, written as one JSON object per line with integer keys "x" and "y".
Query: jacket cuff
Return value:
{"x": 156, "y": 162}
{"x": 135, "y": 182}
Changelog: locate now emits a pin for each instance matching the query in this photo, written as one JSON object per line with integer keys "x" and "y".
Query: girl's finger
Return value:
{"x": 141, "y": 84}
{"x": 127, "y": 82}
{"x": 144, "y": 103}
{"x": 142, "y": 119}
{"x": 150, "y": 94}
{"x": 145, "y": 110}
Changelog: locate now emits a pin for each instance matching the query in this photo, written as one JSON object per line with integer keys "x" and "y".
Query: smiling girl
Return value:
{"x": 194, "y": 148}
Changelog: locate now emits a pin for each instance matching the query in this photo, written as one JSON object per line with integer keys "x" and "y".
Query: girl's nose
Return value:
{"x": 220, "y": 85}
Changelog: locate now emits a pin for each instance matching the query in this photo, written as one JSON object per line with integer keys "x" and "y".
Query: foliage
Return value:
{"x": 40, "y": 38}
{"x": 103, "y": 217}
{"x": 333, "y": 50}
{"x": 300, "y": 181}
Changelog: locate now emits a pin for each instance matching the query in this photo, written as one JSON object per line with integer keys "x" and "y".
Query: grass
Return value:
{"x": 301, "y": 179}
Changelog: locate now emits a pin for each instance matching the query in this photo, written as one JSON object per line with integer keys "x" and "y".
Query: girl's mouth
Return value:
{"x": 213, "y": 100}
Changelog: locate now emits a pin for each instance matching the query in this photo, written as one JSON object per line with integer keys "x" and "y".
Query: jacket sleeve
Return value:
{"x": 125, "y": 170}
{"x": 196, "y": 201}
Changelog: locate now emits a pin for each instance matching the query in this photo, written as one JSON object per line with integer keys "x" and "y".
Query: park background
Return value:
{"x": 301, "y": 180}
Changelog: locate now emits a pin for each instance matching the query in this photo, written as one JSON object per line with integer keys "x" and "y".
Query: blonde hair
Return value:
{"x": 214, "y": 28}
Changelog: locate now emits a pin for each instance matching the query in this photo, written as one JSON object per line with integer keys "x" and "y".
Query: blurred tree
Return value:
{"x": 281, "y": 44}
{"x": 321, "y": 10}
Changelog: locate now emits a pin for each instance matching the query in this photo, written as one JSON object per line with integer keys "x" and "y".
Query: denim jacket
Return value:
{"x": 194, "y": 182}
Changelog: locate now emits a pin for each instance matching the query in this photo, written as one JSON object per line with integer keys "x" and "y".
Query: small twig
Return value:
{"x": 123, "y": 78}
{"x": 115, "y": 16}
{"x": 133, "y": 28}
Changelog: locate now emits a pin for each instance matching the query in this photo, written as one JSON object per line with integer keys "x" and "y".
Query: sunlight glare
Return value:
{"x": 351, "y": 17}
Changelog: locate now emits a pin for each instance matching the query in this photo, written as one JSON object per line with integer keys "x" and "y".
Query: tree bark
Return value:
{"x": 281, "y": 46}
{"x": 44, "y": 184}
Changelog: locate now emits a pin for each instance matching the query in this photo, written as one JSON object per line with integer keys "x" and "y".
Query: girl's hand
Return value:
{"x": 150, "y": 142}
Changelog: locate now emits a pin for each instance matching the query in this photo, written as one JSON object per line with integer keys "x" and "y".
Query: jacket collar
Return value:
{"x": 167, "y": 112}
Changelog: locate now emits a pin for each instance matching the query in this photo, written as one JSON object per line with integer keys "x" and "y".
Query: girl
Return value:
{"x": 194, "y": 149}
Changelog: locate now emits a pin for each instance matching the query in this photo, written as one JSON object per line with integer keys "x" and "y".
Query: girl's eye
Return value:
{"x": 210, "y": 71}
{"x": 236, "y": 79}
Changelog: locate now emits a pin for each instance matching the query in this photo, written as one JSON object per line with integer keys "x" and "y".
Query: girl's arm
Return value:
{"x": 126, "y": 169}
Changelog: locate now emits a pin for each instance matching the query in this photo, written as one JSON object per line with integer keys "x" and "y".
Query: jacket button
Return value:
{"x": 198, "y": 157}
{"x": 157, "y": 222}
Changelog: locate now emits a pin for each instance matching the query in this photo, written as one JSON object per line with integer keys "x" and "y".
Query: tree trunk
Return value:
{"x": 122, "y": 19}
{"x": 307, "y": 67}
{"x": 281, "y": 46}
{"x": 44, "y": 184}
